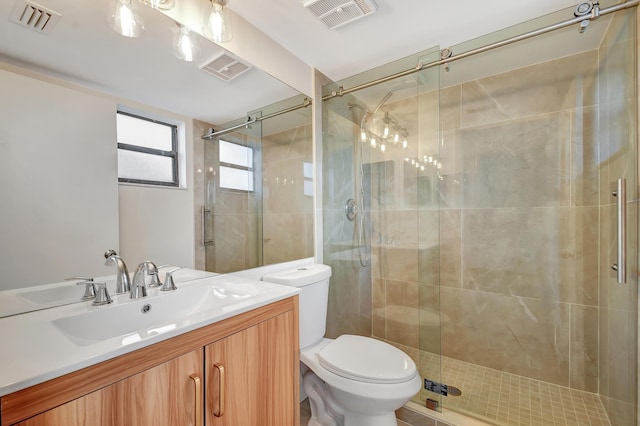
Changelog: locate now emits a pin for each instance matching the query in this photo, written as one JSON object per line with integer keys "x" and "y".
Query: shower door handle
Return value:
{"x": 203, "y": 215}
{"x": 621, "y": 211}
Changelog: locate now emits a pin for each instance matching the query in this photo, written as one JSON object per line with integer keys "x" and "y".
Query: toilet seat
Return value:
{"x": 366, "y": 360}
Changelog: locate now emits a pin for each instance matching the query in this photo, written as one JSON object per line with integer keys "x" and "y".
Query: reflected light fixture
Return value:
{"x": 217, "y": 22}
{"x": 160, "y": 4}
{"x": 185, "y": 44}
{"x": 125, "y": 18}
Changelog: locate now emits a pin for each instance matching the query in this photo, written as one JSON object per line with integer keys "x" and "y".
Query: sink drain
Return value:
{"x": 145, "y": 309}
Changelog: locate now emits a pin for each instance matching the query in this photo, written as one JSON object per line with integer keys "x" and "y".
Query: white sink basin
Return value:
{"x": 133, "y": 320}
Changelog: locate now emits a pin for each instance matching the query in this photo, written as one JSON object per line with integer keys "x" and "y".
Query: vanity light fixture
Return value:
{"x": 125, "y": 18}
{"x": 185, "y": 44}
{"x": 217, "y": 22}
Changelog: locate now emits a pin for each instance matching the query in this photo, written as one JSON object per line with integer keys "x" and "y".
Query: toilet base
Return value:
{"x": 325, "y": 412}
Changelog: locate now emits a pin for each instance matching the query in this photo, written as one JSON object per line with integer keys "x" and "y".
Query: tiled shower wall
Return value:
{"x": 288, "y": 197}
{"x": 524, "y": 286}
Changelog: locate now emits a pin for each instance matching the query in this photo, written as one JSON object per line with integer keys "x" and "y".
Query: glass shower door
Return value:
{"x": 381, "y": 150}
{"x": 231, "y": 215}
{"x": 535, "y": 328}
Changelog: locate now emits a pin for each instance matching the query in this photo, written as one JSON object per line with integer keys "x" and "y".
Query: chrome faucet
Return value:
{"x": 123, "y": 282}
{"x": 139, "y": 285}
{"x": 152, "y": 270}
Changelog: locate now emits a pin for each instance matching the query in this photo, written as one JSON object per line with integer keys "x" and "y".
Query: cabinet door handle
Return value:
{"x": 198, "y": 387}
{"x": 220, "y": 411}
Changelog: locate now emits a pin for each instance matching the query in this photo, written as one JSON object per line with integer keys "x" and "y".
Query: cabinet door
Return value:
{"x": 250, "y": 376}
{"x": 169, "y": 394}
{"x": 96, "y": 408}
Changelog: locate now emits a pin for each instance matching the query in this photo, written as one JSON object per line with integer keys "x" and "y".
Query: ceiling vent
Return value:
{"x": 335, "y": 13}
{"x": 35, "y": 17}
{"x": 225, "y": 67}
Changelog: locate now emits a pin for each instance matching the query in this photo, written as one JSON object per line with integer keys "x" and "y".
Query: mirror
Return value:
{"x": 62, "y": 206}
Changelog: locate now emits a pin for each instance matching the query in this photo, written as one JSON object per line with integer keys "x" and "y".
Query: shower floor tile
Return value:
{"x": 507, "y": 399}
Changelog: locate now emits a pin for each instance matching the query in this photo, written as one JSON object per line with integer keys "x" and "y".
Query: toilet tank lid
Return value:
{"x": 301, "y": 276}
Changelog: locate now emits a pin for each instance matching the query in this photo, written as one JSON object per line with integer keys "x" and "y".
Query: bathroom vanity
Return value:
{"x": 234, "y": 364}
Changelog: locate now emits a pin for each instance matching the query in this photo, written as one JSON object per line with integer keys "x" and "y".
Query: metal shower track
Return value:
{"x": 305, "y": 103}
{"x": 446, "y": 58}
{"x": 596, "y": 13}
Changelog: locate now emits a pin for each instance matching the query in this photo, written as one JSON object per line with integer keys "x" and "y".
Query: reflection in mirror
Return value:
{"x": 252, "y": 223}
{"x": 62, "y": 205}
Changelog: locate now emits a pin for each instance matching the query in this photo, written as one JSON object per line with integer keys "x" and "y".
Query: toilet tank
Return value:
{"x": 313, "y": 281}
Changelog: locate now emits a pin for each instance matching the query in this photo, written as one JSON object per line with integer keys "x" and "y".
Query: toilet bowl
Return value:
{"x": 352, "y": 380}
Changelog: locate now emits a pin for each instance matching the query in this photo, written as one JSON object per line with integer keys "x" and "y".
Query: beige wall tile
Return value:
{"x": 528, "y": 337}
{"x": 585, "y": 157}
{"x": 569, "y": 82}
{"x": 519, "y": 163}
{"x": 584, "y": 348}
{"x": 550, "y": 254}
{"x": 401, "y": 313}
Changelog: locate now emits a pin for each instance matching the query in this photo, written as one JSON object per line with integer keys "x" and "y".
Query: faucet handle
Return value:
{"x": 89, "y": 290}
{"x": 102, "y": 297}
{"x": 169, "y": 285}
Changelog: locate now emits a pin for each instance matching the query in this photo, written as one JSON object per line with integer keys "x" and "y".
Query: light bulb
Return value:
{"x": 125, "y": 18}
{"x": 385, "y": 132}
{"x": 396, "y": 138}
{"x": 217, "y": 25}
{"x": 383, "y": 147}
{"x": 185, "y": 44}
{"x": 373, "y": 142}
{"x": 405, "y": 144}
{"x": 363, "y": 136}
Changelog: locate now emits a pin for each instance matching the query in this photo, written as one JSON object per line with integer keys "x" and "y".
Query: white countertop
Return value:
{"x": 35, "y": 349}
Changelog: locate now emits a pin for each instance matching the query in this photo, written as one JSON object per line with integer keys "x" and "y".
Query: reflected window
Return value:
{"x": 307, "y": 171}
{"x": 236, "y": 166}
{"x": 147, "y": 150}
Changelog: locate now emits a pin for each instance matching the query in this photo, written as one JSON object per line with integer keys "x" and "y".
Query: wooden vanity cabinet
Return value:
{"x": 239, "y": 371}
{"x": 168, "y": 394}
{"x": 248, "y": 376}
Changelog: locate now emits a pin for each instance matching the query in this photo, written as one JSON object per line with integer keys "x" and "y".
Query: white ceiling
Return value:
{"x": 83, "y": 48}
{"x": 397, "y": 29}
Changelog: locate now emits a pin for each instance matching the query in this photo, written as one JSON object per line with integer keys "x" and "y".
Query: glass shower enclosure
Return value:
{"x": 483, "y": 246}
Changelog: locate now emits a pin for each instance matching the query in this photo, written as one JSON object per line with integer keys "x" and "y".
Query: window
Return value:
{"x": 147, "y": 150}
{"x": 307, "y": 172}
{"x": 236, "y": 166}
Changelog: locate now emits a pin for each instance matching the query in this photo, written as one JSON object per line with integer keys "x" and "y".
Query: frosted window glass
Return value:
{"x": 308, "y": 188}
{"x": 238, "y": 179}
{"x": 135, "y": 131}
{"x": 238, "y": 155}
{"x": 138, "y": 165}
{"x": 307, "y": 170}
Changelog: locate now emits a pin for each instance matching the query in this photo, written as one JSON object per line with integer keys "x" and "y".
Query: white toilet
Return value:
{"x": 352, "y": 380}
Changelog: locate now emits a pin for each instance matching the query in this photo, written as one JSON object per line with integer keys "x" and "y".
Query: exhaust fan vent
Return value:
{"x": 225, "y": 67}
{"x": 35, "y": 17}
{"x": 335, "y": 13}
